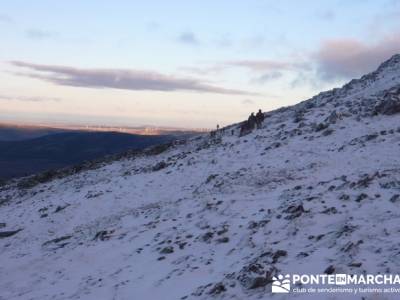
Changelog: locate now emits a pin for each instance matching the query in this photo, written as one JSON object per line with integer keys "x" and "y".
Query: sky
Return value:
{"x": 191, "y": 64}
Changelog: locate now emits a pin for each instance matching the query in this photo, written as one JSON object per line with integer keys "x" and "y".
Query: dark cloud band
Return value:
{"x": 120, "y": 79}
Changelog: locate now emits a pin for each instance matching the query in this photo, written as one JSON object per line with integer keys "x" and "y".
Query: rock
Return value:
{"x": 327, "y": 132}
{"x": 321, "y": 126}
{"x": 60, "y": 208}
{"x": 273, "y": 146}
{"x": 207, "y": 236}
{"x": 167, "y": 250}
{"x": 390, "y": 105}
{"x": 217, "y": 289}
{"x": 395, "y": 198}
{"x": 331, "y": 210}
{"x": 223, "y": 230}
{"x": 395, "y": 184}
{"x": 5, "y": 199}
{"x": 355, "y": 264}
{"x": 366, "y": 180}
{"x": 361, "y": 197}
{"x": 103, "y": 235}
{"x": 294, "y": 211}
{"x": 350, "y": 246}
{"x": 370, "y": 137}
{"x": 302, "y": 254}
{"x": 223, "y": 240}
{"x": 201, "y": 289}
{"x": 258, "y": 282}
{"x": 329, "y": 270}
{"x": 93, "y": 194}
{"x": 259, "y": 224}
{"x": 4, "y": 234}
{"x": 56, "y": 243}
{"x": 182, "y": 245}
{"x": 255, "y": 276}
{"x": 159, "y": 166}
{"x": 346, "y": 230}
{"x": 211, "y": 177}
{"x": 57, "y": 240}
{"x": 2, "y": 225}
{"x": 278, "y": 254}
{"x": 298, "y": 116}
{"x": 344, "y": 197}
{"x": 43, "y": 210}
{"x": 332, "y": 118}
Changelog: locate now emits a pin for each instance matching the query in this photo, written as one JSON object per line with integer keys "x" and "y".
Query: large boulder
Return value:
{"x": 390, "y": 103}
{"x": 256, "y": 275}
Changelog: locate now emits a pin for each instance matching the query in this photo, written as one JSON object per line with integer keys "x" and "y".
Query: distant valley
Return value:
{"x": 29, "y": 150}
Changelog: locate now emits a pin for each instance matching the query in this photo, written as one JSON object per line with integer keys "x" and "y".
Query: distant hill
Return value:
{"x": 18, "y": 133}
{"x": 19, "y": 158}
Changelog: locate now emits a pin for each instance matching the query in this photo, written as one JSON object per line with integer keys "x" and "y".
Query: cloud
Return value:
{"x": 268, "y": 65}
{"x": 270, "y": 69}
{"x": 207, "y": 70}
{"x": 38, "y": 34}
{"x": 188, "y": 38}
{"x": 153, "y": 26}
{"x": 248, "y": 102}
{"x": 28, "y": 98}
{"x": 349, "y": 58}
{"x": 224, "y": 41}
{"x": 267, "y": 77}
{"x": 5, "y": 19}
{"x": 327, "y": 15}
{"x": 120, "y": 79}
{"x": 254, "y": 41}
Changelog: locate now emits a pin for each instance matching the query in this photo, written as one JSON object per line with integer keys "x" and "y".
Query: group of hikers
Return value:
{"x": 254, "y": 121}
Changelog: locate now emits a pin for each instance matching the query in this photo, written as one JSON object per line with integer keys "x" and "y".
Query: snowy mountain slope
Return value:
{"x": 317, "y": 189}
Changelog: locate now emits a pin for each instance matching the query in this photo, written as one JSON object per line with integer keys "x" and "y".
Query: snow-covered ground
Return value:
{"x": 316, "y": 190}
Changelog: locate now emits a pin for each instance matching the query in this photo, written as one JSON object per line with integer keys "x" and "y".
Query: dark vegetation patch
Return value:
{"x": 73, "y": 150}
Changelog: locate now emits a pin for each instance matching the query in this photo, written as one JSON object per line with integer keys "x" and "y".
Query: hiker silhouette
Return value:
{"x": 252, "y": 120}
{"x": 259, "y": 118}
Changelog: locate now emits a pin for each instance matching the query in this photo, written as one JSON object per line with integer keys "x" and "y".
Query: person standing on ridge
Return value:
{"x": 252, "y": 121}
{"x": 259, "y": 118}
